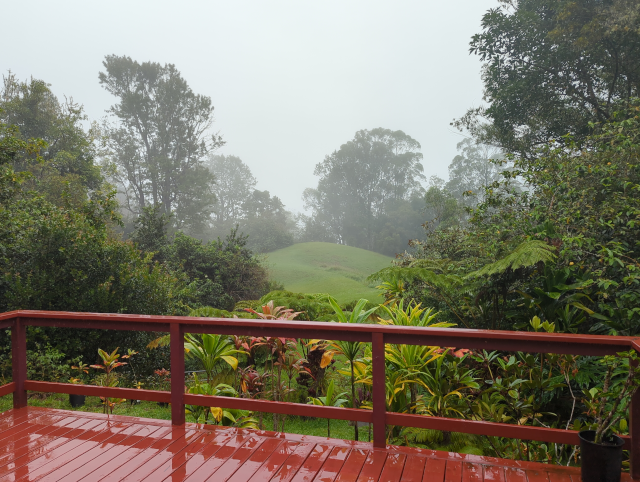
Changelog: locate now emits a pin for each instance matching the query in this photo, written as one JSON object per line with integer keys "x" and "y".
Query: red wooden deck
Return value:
{"x": 58, "y": 445}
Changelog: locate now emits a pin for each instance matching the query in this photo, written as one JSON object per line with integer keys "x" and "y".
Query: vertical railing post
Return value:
{"x": 19, "y": 362}
{"x": 634, "y": 432}
{"x": 177, "y": 373}
{"x": 379, "y": 391}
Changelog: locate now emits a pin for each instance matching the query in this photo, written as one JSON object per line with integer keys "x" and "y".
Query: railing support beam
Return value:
{"x": 379, "y": 391}
{"x": 634, "y": 432}
{"x": 19, "y": 362}
{"x": 177, "y": 374}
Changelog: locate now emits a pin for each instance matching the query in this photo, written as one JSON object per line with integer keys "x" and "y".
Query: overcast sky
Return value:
{"x": 290, "y": 80}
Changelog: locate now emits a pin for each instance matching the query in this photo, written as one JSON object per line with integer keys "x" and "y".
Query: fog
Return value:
{"x": 290, "y": 80}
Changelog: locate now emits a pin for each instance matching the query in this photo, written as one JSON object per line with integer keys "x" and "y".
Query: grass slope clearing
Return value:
{"x": 330, "y": 268}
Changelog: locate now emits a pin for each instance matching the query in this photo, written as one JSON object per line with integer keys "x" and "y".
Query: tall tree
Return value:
{"x": 67, "y": 164}
{"x": 233, "y": 186}
{"x": 472, "y": 170}
{"x": 160, "y": 139}
{"x": 553, "y": 66}
{"x": 357, "y": 180}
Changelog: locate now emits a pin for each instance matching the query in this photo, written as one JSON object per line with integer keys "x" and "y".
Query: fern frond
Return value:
{"x": 526, "y": 254}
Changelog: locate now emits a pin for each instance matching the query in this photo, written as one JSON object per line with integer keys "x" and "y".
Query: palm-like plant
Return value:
{"x": 411, "y": 361}
{"x": 349, "y": 349}
{"x": 412, "y": 316}
{"x": 331, "y": 399}
{"x": 446, "y": 386}
{"x": 209, "y": 350}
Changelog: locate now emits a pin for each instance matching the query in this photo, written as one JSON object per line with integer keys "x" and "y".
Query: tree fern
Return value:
{"x": 526, "y": 254}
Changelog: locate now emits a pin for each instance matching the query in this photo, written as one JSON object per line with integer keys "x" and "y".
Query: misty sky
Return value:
{"x": 290, "y": 80}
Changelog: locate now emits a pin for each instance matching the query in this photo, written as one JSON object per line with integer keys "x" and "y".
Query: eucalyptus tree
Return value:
{"x": 159, "y": 140}
{"x": 233, "y": 186}
{"x": 357, "y": 181}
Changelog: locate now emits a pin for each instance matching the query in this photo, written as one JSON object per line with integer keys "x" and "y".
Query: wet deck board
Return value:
{"x": 56, "y": 445}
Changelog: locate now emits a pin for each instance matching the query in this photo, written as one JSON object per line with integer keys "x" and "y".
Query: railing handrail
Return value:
{"x": 537, "y": 342}
{"x": 376, "y": 334}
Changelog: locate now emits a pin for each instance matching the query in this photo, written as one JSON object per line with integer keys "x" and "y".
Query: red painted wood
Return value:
{"x": 472, "y": 472}
{"x": 434, "y": 470}
{"x": 393, "y": 468}
{"x": 312, "y": 464}
{"x": 464, "y": 338}
{"x": 28, "y": 440}
{"x": 489, "y": 428}
{"x": 537, "y": 476}
{"x": 257, "y": 459}
{"x": 413, "y": 468}
{"x": 96, "y": 391}
{"x": 176, "y": 448}
{"x": 54, "y": 439}
{"x": 176, "y": 459}
{"x": 7, "y": 389}
{"x": 268, "y": 469}
{"x": 332, "y": 466}
{"x": 302, "y": 410}
{"x": 236, "y": 462}
{"x": 19, "y": 362}
{"x": 634, "y": 430}
{"x": 514, "y": 475}
{"x": 559, "y": 477}
{"x": 73, "y": 460}
{"x": 293, "y": 463}
{"x": 352, "y": 466}
{"x": 202, "y": 451}
{"x": 493, "y": 473}
{"x": 177, "y": 374}
{"x": 453, "y": 471}
{"x": 373, "y": 466}
{"x": 107, "y": 460}
{"x": 379, "y": 391}
{"x": 35, "y": 461}
{"x": 219, "y": 457}
{"x": 138, "y": 457}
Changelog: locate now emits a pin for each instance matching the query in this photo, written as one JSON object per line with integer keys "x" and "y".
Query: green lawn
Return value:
{"x": 330, "y": 268}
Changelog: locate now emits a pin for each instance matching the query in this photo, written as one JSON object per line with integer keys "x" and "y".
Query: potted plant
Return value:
{"x": 600, "y": 448}
{"x": 77, "y": 401}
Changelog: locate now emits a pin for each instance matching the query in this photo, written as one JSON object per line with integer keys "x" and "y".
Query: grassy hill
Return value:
{"x": 330, "y": 268}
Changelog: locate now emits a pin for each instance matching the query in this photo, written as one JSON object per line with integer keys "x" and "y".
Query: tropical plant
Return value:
{"x": 209, "y": 350}
{"x": 349, "y": 349}
{"x": 331, "y": 399}
{"x": 109, "y": 379}
{"x": 607, "y": 404}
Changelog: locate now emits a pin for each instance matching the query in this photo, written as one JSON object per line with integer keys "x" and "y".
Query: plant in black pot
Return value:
{"x": 77, "y": 401}
{"x": 600, "y": 447}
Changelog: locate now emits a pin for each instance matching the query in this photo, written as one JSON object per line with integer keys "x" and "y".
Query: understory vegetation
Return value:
{"x": 537, "y": 229}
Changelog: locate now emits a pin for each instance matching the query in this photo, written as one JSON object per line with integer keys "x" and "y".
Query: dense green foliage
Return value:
{"x": 369, "y": 192}
{"x": 553, "y": 66}
{"x": 220, "y": 273}
{"x": 158, "y": 143}
{"x": 564, "y": 249}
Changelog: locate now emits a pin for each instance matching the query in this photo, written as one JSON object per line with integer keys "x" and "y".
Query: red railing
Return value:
{"x": 377, "y": 335}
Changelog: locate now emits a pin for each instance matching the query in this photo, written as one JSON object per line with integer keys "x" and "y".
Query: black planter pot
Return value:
{"x": 600, "y": 462}
{"x": 76, "y": 400}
